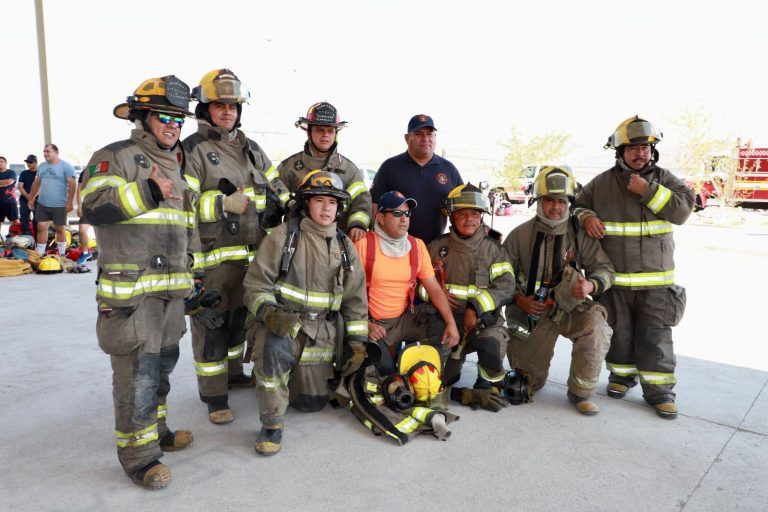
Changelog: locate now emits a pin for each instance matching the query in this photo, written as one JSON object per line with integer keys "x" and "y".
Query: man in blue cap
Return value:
{"x": 422, "y": 175}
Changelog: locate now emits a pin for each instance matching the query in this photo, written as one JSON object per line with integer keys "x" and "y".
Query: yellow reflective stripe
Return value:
{"x": 97, "y": 182}
{"x": 490, "y": 377}
{"x": 271, "y": 384}
{"x": 483, "y": 297}
{"x": 654, "y": 227}
{"x": 208, "y": 205}
{"x": 316, "y": 355}
{"x": 645, "y": 279}
{"x": 421, "y": 413}
{"x": 485, "y": 300}
{"x": 236, "y": 352}
{"x": 659, "y": 199}
{"x": 271, "y": 173}
{"x": 371, "y": 387}
{"x": 307, "y": 298}
{"x": 499, "y": 269}
{"x": 624, "y": 370}
{"x": 217, "y": 256}
{"x": 423, "y": 295}
{"x": 162, "y": 411}
{"x": 130, "y": 198}
{"x": 210, "y": 369}
{"x": 260, "y": 200}
{"x": 459, "y": 291}
{"x": 408, "y": 425}
{"x": 284, "y": 197}
{"x": 121, "y": 266}
{"x": 581, "y": 382}
{"x": 356, "y": 188}
{"x": 197, "y": 260}
{"x": 164, "y": 216}
{"x": 259, "y": 299}
{"x": 361, "y": 217}
{"x": 136, "y": 439}
{"x": 357, "y": 327}
{"x": 657, "y": 378}
{"x": 193, "y": 182}
{"x": 145, "y": 284}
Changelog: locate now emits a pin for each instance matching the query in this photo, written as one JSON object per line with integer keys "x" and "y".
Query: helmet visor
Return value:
{"x": 225, "y": 91}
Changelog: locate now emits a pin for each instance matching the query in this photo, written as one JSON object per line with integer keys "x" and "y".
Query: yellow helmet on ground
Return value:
{"x": 221, "y": 85}
{"x": 634, "y": 131}
{"x": 49, "y": 264}
{"x": 167, "y": 94}
{"x": 465, "y": 196}
{"x": 422, "y": 368}
{"x": 554, "y": 181}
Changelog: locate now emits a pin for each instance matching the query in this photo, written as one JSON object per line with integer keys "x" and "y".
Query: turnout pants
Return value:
{"x": 143, "y": 344}
{"x": 585, "y": 326}
{"x": 491, "y": 347}
{"x": 641, "y": 346}
{"x": 219, "y": 353}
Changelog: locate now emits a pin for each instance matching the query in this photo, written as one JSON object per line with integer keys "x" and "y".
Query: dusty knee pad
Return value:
{"x": 146, "y": 383}
{"x": 309, "y": 403}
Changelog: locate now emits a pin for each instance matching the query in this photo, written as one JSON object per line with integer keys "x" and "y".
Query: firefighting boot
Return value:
{"x": 583, "y": 405}
{"x": 616, "y": 390}
{"x": 153, "y": 476}
{"x": 270, "y": 439}
{"x": 174, "y": 441}
{"x": 667, "y": 410}
{"x": 219, "y": 413}
{"x": 241, "y": 381}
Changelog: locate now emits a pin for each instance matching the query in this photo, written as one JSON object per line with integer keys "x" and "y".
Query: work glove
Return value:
{"x": 278, "y": 321}
{"x": 201, "y": 304}
{"x": 488, "y": 399}
{"x": 236, "y": 203}
{"x": 355, "y": 361}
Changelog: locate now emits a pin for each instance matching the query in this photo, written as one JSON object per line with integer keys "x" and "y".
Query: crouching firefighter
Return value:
{"x": 135, "y": 195}
{"x": 306, "y": 290}
{"x": 551, "y": 254}
{"x": 395, "y": 400}
{"x": 475, "y": 271}
{"x": 239, "y": 202}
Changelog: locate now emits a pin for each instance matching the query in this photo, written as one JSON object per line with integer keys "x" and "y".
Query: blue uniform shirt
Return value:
{"x": 428, "y": 185}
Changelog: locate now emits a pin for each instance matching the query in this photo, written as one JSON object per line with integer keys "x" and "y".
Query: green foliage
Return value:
{"x": 548, "y": 148}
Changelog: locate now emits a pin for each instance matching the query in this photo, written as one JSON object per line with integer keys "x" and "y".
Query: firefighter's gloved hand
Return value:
{"x": 355, "y": 361}
{"x": 236, "y": 203}
{"x": 488, "y": 399}
{"x": 278, "y": 321}
{"x": 201, "y": 304}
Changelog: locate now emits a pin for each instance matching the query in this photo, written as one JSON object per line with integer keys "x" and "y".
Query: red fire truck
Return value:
{"x": 736, "y": 180}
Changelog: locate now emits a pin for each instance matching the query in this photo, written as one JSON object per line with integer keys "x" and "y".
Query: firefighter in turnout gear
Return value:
{"x": 551, "y": 253}
{"x": 306, "y": 290}
{"x": 135, "y": 195}
{"x": 322, "y": 124}
{"x": 239, "y": 202}
{"x": 475, "y": 271}
{"x": 631, "y": 208}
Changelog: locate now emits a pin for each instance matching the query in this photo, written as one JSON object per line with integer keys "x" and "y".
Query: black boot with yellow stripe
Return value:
{"x": 153, "y": 476}
{"x": 270, "y": 439}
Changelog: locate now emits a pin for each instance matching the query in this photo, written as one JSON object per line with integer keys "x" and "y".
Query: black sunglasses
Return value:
{"x": 399, "y": 213}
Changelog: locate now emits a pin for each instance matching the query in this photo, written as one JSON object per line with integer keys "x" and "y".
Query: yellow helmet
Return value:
{"x": 221, "y": 85}
{"x": 167, "y": 94}
{"x": 49, "y": 264}
{"x": 421, "y": 366}
{"x": 554, "y": 181}
{"x": 633, "y": 131}
{"x": 465, "y": 196}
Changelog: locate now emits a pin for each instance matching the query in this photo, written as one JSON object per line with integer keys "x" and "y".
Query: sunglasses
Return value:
{"x": 399, "y": 213}
{"x": 167, "y": 118}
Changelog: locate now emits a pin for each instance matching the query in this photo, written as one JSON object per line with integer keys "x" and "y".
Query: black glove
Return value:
{"x": 278, "y": 321}
{"x": 488, "y": 399}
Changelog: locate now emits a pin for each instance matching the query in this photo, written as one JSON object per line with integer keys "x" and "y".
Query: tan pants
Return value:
{"x": 586, "y": 326}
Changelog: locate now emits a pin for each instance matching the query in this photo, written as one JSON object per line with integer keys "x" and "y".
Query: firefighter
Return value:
{"x": 143, "y": 212}
{"x": 238, "y": 203}
{"x": 306, "y": 290}
{"x": 551, "y": 253}
{"x": 475, "y": 271}
{"x": 631, "y": 208}
{"x": 322, "y": 124}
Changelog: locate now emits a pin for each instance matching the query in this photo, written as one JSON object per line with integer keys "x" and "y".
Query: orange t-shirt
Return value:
{"x": 388, "y": 295}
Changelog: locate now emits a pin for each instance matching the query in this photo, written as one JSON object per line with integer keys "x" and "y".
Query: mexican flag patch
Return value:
{"x": 100, "y": 167}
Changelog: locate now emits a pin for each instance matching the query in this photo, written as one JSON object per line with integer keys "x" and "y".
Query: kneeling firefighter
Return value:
{"x": 239, "y": 203}
{"x": 306, "y": 291}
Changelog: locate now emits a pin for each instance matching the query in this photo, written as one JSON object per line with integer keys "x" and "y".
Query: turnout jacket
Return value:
{"x": 316, "y": 283}
{"x": 212, "y": 155}
{"x": 476, "y": 271}
{"x": 638, "y": 230}
{"x": 294, "y": 168}
{"x": 520, "y": 243}
{"x": 146, "y": 247}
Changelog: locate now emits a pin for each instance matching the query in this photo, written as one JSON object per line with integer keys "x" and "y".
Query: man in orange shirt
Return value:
{"x": 392, "y": 268}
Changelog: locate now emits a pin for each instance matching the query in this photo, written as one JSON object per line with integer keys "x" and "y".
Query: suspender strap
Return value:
{"x": 414, "y": 258}
{"x": 370, "y": 258}
{"x": 531, "y": 286}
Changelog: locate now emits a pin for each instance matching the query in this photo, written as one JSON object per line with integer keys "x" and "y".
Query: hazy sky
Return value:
{"x": 478, "y": 68}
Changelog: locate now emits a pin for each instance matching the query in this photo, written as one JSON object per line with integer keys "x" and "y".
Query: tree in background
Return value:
{"x": 548, "y": 148}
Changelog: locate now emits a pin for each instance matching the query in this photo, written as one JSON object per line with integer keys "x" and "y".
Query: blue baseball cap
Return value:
{"x": 30, "y": 159}
{"x": 394, "y": 199}
{"x": 420, "y": 121}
